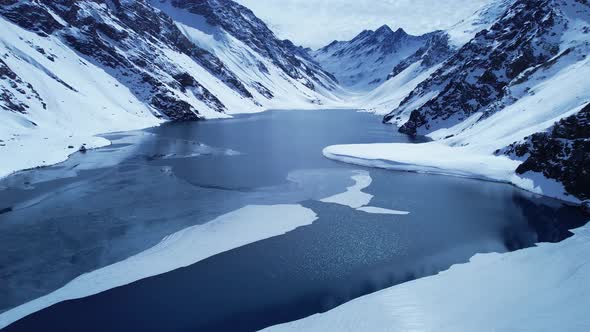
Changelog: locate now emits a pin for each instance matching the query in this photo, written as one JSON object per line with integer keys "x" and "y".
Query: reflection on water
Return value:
{"x": 180, "y": 175}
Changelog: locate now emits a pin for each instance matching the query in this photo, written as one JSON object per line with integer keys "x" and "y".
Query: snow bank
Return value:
{"x": 433, "y": 157}
{"x": 537, "y": 289}
{"x": 184, "y": 248}
{"x": 439, "y": 158}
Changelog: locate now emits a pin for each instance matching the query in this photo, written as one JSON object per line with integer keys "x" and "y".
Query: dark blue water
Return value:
{"x": 85, "y": 214}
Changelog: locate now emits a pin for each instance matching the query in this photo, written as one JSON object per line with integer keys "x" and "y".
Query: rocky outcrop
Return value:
{"x": 562, "y": 153}
{"x": 10, "y": 85}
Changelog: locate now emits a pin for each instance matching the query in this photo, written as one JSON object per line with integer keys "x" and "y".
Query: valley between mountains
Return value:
{"x": 502, "y": 94}
{"x": 223, "y": 140}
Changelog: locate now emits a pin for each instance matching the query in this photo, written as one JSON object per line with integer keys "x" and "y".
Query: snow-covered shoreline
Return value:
{"x": 58, "y": 148}
{"x": 501, "y": 292}
{"x": 441, "y": 159}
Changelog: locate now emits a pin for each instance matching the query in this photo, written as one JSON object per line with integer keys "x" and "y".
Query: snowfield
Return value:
{"x": 184, "y": 248}
{"x": 544, "y": 288}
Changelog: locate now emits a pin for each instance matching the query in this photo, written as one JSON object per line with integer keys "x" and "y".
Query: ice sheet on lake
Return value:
{"x": 355, "y": 198}
{"x": 378, "y": 210}
{"x": 184, "y": 248}
{"x": 354, "y": 195}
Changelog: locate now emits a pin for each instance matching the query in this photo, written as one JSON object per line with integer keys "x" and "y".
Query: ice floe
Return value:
{"x": 355, "y": 198}
{"x": 181, "y": 249}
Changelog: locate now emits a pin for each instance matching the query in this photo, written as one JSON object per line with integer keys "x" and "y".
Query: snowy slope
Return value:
{"x": 402, "y": 71}
{"x": 275, "y": 73}
{"x": 72, "y": 69}
{"x": 465, "y": 30}
{"x": 407, "y": 74}
{"x": 496, "y": 292}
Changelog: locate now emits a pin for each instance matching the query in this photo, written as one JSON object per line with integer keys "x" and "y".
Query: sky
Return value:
{"x": 315, "y": 23}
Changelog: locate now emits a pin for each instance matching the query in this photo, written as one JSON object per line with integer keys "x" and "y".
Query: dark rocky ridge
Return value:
{"x": 562, "y": 153}
{"x": 525, "y": 36}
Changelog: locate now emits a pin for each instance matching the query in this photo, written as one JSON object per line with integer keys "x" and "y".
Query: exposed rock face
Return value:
{"x": 562, "y": 153}
{"x": 8, "y": 100}
{"x": 472, "y": 80}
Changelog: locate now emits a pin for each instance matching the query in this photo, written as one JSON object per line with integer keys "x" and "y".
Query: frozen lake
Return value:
{"x": 104, "y": 206}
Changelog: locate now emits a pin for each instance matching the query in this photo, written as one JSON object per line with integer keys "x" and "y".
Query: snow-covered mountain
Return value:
{"x": 482, "y": 72}
{"x": 366, "y": 61}
{"x": 489, "y": 84}
{"x": 518, "y": 87}
{"x": 408, "y": 73}
{"x": 73, "y": 69}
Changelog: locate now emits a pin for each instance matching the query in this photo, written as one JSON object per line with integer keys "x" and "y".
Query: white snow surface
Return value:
{"x": 355, "y": 198}
{"x": 378, "y": 210}
{"x": 439, "y": 158}
{"x": 542, "y": 288}
{"x": 181, "y": 249}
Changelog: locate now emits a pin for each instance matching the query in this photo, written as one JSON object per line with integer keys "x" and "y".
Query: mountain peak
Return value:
{"x": 401, "y": 31}
{"x": 384, "y": 29}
